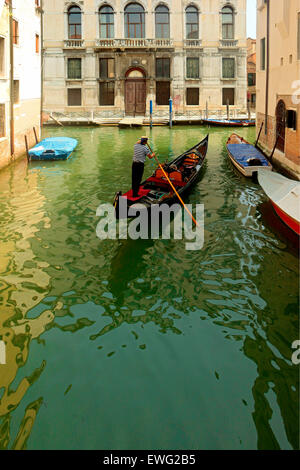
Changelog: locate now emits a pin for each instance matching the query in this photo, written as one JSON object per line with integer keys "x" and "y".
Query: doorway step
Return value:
{"x": 130, "y": 121}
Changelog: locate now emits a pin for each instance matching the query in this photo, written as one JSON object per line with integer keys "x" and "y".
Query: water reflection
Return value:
{"x": 243, "y": 283}
{"x": 24, "y": 282}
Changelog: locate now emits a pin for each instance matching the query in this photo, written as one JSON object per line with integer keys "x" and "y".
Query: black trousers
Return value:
{"x": 137, "y": 174}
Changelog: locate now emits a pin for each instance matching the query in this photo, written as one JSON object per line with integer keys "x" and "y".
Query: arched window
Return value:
{"x": 106, "y": 17}
{"x": 227, "y": 23}
{"x": 192, "y": 23}
{"x": 162, "y": 22}
{"x": 134, "y": 21}
{"x": 74, "y": 22}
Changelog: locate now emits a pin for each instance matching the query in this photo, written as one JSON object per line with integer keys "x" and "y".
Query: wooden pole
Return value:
{"x": 271, "y": 156}
{"x": 227, "y": 106}
{"x": 257, "y": 140}
{"x": 36, "y": 139}
{"x": 27, "y": 149}
{"x": 172, "y": 186}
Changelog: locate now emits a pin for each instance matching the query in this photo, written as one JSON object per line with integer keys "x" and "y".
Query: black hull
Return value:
{"x": 203, "y": 147}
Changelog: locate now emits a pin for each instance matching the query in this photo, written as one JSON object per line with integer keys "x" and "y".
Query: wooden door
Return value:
{"x": 280, "y": 125}
{"x": 135, "y": 97}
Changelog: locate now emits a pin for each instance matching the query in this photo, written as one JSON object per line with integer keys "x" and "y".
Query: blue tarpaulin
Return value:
{"x": 53, "y": 148}
{"x": 244, "y": 152}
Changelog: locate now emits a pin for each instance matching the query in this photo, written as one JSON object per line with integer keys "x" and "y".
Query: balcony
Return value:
{"x": 192, "y": 43}
{"x": 229, "y": 43}
{"x": 73, "y": 43}
{"x": 133, "y": 43}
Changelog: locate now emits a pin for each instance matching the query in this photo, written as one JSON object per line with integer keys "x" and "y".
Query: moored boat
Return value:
{"x": 53, "y": 148}
{"x": 229, "y": 122}
{"x": 284, "y": 195}
{"x": 246, "y": 157}
{"x": 183, "y": 171}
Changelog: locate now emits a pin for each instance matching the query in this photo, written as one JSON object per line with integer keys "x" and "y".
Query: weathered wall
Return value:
{"x": 209, "y": 48}
{"x": 284, "y": 77}
{"x": 27, "y": 70}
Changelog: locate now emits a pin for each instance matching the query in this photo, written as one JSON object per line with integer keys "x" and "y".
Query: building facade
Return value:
{"x": 278, "y": 80}
{"x": 20, "y": 76}
{"x": 117, "y": 55}
{"x": 251, "y": 72}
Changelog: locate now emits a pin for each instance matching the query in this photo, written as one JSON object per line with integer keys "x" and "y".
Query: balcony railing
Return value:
{"x": 112, "y": 43}
{"x": 229, "y": 42}
{"x": 73, "y": 43}
{"x": 192, "y": 43}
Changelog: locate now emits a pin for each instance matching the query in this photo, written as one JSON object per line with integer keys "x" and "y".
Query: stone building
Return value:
{"x": 251, "y": 72}
{"x": 117, "y": 55}
{"x": 278, "y": 80}
{"x": 20, "y": 76}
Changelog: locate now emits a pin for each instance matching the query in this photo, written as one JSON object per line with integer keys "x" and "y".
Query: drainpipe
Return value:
{"x": 42, "y": 64}
{"x": 268, "y": 68}
{"x": 11, "y": 79}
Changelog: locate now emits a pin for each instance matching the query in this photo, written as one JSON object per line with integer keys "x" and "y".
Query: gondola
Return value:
{"x": 183, "y": 171}
{"x": 230, "y": 122}
{"x": 246, "y": 157}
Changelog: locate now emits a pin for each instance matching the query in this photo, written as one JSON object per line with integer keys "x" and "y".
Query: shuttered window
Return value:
{"x": 15, "y": 32}
{"x": 107, "y": 93}
{"x": 107, "y": 68}
{"x": 74, "y": 69}
{"x": 2, "y": 55}
{"x": 74, "y": 97}
{"x": 263, "y": 54}
{"x": 163, "y": 68}
{"x": 192, "y": 67}
{"x": 228, "y": 95}
{"x": 2, "y": 120}
{"x": 16, "y": 91}
{"x": 298, "y": 39}
{"x": 192, "y": 96}
{"x": 162, "y": 93}
{"x": 227, "y": 23}
{"x": 228, "y": 66}
{"x": 37, "y": 43}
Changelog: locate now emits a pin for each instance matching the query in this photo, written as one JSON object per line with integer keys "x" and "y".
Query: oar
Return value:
{"x": 172, "y": 186}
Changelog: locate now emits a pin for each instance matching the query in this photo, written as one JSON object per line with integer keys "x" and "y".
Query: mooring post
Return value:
{"x": 36, "y": 139}
{"x": 151, "y": 112}
{"x": 27, "y": 149}
{"x": 206, "y": 110}
{"x": 227, "y": 106}
{"x": 170, "y": 111}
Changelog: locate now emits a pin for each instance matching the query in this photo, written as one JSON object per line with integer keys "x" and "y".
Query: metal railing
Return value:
{"x": 127, "y": 42}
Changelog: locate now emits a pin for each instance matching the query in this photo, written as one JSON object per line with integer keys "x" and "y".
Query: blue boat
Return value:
{"x": 229, "y": 122}
{"x": 53, "y": 148}
{"x": 246, "y": 157}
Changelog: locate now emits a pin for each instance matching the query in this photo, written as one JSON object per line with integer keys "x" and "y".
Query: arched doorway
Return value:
{"x": 280, "y": 125}
{"x": 135, "y": 92}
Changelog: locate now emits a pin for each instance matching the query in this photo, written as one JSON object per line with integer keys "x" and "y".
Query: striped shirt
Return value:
{"x": 140, "y": 153}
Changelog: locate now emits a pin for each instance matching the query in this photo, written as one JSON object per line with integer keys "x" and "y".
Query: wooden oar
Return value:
{"x": 172, "y": 186}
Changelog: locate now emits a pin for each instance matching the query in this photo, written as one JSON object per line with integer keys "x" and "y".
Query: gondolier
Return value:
{"x": 141, "y": 151}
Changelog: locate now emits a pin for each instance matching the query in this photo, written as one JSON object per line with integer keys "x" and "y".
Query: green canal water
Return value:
{"x": 122, "y": 344}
